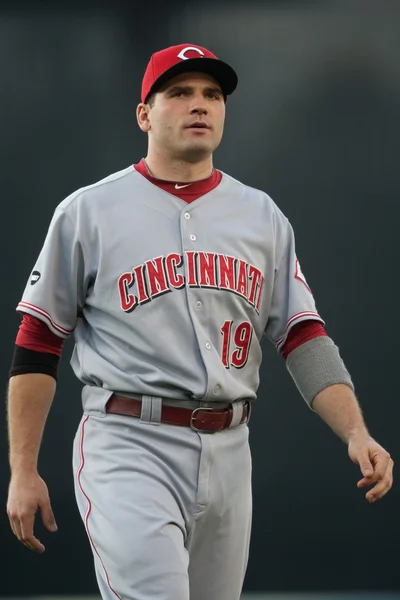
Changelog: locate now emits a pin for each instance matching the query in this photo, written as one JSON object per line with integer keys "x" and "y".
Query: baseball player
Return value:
{"x": 167, "y": 274}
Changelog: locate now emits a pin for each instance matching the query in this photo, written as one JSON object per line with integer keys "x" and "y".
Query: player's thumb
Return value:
{"x": 47, "y": 516}
{"x": 365, "y": 465}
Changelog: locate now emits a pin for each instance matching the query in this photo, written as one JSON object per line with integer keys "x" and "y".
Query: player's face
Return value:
{"x": 187, "y": 117}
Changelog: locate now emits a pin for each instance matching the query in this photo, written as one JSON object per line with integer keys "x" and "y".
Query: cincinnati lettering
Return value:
{"x": 163, "y": 274}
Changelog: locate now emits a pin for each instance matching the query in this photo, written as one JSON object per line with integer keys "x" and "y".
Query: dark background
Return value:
{"x": 315, "y": 123}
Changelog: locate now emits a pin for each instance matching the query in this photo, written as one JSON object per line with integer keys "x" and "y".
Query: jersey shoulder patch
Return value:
{"x": 300, "y": 275}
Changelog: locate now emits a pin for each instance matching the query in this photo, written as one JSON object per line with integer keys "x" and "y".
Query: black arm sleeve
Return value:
{"x": 31, "y": 361}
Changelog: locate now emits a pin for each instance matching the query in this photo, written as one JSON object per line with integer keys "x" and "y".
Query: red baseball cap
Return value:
{"x": 175, "y": 60}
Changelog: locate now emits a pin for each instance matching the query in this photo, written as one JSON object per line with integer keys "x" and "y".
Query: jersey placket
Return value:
{"x": 198, "y": 303}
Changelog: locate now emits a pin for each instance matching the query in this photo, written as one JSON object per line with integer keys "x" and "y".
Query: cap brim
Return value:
{"x": 219, "y": 70}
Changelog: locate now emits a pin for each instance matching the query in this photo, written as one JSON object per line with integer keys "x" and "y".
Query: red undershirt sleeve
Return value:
{"x": 301, "y": 333}
{"x": 33, "y": 334}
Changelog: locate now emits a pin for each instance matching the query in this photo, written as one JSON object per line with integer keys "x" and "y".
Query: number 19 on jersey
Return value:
{"x": 235, "y": 344}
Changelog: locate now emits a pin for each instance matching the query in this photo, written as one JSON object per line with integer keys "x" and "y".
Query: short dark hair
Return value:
{"x": 151, "y": 99}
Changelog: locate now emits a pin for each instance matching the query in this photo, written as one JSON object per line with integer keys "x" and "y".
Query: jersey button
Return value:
{"x": 198, "y": 304}
{"x": 187, "y": 216}
{"x": 217, "y": 389}
{"x": 192, "y": 237}
{"x": 208, "y": 345}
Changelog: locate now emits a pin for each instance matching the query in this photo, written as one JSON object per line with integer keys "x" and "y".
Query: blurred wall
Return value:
{"x": 315, "y": 123}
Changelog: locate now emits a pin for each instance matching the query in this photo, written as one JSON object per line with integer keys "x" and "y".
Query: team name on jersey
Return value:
{"x": 161, "y": 275}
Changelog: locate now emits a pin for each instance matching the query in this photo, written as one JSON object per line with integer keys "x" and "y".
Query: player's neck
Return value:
{"x": 178, "y": 170}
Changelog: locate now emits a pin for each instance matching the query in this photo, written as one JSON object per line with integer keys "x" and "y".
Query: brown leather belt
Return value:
{"x": 200, "y": 419}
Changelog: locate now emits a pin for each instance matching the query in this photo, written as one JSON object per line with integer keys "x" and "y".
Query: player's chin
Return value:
{"x": 198, "y": 149}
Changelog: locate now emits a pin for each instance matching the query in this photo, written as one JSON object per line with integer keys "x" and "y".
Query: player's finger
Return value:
{"x": 376, "y": 474}
{"x": 15, "y": 526}
{"x": 17, "y": 530}
{"x": 28, "y": 538}
{"x": 365, "y": 482}
{"x": 381, "y": 460}
{"x": 35, "y": 545}
{"x": 28, "y": 545}
{"x": 379, "y": 478}
{"x": 383, "y": 486}
{"x": 48, "y": 518}
{"x": 382, "y": 463}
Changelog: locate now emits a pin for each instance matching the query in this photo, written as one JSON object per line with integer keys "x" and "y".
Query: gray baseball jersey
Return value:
{"x": 165, "y": 298}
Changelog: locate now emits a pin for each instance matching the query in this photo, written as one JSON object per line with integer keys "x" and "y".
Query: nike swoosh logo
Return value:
{"x": 179, "y": 187}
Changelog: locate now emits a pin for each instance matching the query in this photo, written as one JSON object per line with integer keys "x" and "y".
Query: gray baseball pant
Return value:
{"x": 167, "y": 510}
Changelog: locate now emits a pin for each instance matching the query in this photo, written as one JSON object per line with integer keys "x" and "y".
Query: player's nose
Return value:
{"x": 199, "y": 109}
{"x": 198, "y": 105}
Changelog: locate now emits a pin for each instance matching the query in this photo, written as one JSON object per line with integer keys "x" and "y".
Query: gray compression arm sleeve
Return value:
{"x": 315, "y": 365}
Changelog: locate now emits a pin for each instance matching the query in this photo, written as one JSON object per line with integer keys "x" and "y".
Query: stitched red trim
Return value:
{"x": 297, "y": 317}
{"x": 89, "y": 504}
{"x": 46, "y": 315}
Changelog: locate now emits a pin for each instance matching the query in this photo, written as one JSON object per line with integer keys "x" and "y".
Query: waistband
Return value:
{"x": 207, "y": 419}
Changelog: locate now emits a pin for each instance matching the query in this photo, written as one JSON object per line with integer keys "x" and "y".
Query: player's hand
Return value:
{"x": 375, "y": 463}
{"x": 26, "y": 495}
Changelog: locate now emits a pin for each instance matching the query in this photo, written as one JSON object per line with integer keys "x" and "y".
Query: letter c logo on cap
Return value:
{"x": 182, "y": 53}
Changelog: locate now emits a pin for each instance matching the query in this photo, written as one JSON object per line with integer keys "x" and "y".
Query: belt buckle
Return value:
{"x": 192, "y": 416}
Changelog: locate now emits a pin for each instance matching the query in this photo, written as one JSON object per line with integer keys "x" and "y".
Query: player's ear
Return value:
{"x": 142, "y": 115}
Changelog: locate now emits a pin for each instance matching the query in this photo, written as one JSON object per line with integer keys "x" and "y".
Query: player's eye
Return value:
{"x": 177, "y": 93}
{"x": 214, "y": 95}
